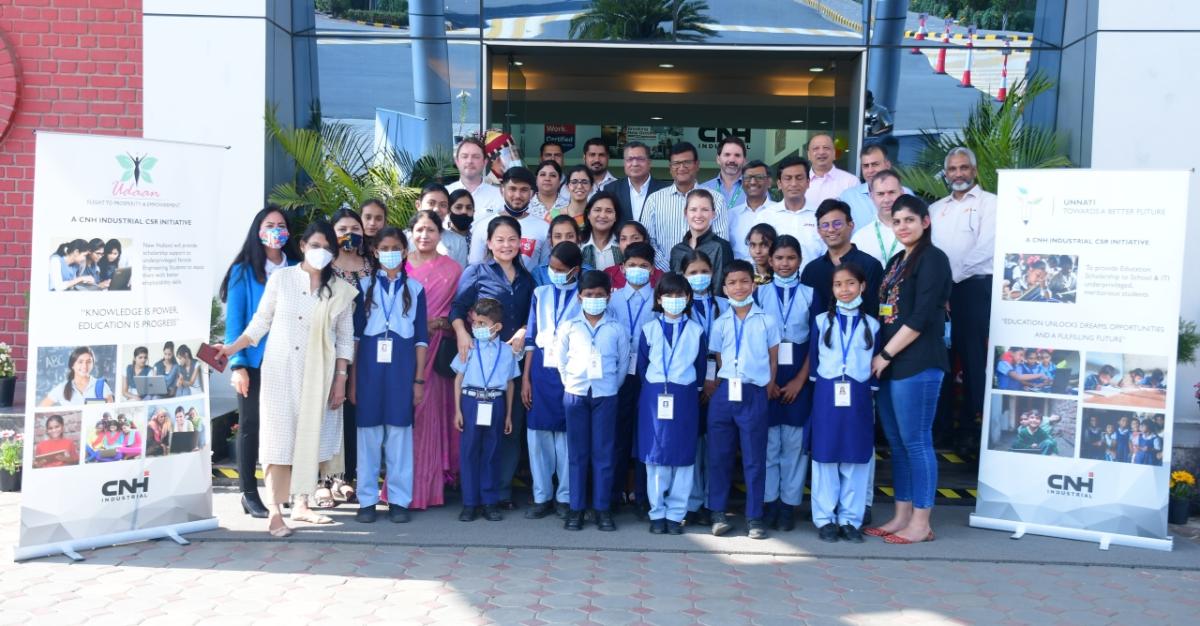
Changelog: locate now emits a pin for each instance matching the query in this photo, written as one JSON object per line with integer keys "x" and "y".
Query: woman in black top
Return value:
{"x": 910, "y": 366}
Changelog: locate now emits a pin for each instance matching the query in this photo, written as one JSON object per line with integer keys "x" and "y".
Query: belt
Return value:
{"x": 482, "y": 394}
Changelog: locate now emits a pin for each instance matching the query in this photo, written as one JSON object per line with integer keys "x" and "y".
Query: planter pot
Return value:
{"x": 8, "y": 389}
{"x": 1177, "y": 511}
{"x": 10, "y": 482}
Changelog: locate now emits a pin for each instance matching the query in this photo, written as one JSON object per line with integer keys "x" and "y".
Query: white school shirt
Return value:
{"x": 575, "y": 343}
{"x": 868, "y": 239}
{"x": 800, "y": 224}
{"x": 553, "y": 306}
{"x": 663, "y": 218}
{"x": 831, "y": 185}
{"x": 791, "y": 310}
{"x": 632, "y": 308}
{"x": 760, "y": 332}
{"x": 741, "y": 219}
{"x": 487, "y": 197}
{"x": 858, "y": 355}
{"x": 966, "y": 231}
{"x": 689, "y": 342}
{"x": 534, "y": 232}
{"x": 79, "y": 397}
{"x": 391, "y": 299}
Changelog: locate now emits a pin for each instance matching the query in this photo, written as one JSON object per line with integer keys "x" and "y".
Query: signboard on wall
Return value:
{"x": 768, "y": 145}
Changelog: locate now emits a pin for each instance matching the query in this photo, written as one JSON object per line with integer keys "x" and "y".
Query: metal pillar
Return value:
{"x": 431, "y": 72}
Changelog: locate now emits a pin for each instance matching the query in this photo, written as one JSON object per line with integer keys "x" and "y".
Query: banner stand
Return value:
{"x": 72, "y": 549}
{"x": 1020, "y": 529}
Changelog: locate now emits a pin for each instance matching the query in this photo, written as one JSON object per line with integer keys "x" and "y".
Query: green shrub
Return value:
{"x": 390, "y": 18}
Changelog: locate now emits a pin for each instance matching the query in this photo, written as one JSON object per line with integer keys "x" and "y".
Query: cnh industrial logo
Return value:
{"x": 136, "y": 174}
{"x": 126, "y": 489}
{"x": 1074, "y": 486}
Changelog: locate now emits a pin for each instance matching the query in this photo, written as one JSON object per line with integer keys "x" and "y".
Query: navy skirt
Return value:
{"x": 794, "y": 414}
{"x": 668, "y": 442}
{"x": 547, "y": 412}
{"x": 385, "y": 390}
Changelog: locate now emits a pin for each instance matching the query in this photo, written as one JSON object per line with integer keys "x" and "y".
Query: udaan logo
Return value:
{"x": 135, "y": 175}
{"x": 121, "y": 490}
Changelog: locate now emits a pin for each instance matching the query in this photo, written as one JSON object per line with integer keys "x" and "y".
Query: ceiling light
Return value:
{"x": 816, "y": 69}
{"x": 655, "y": 117}
{"x": 797, "y": 121}
{"x": 824, "y": 122}
{"x": 518, "y": 63}
{"x": 666, "y": 66}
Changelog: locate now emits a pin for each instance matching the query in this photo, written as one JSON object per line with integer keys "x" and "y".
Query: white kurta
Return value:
{"x": 285, "y": 309}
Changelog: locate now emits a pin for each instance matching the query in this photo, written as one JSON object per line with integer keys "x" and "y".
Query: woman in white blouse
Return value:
{"x": 304, "y": 366}
{"x": 80, "y": 386}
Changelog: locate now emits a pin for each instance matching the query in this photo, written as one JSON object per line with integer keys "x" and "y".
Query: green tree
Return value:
{"x": 643, "y": 20}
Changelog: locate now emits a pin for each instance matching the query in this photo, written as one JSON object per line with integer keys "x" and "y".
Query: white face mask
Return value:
{"x": 318, "y": 258}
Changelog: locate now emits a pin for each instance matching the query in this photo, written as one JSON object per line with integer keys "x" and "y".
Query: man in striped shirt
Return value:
{"x": 663, "y": 214}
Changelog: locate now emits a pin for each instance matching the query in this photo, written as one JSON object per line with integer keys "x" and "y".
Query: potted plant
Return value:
{"x": 1183, "y": 489}
{"x": 12, "y": 452}
{"x": 231, "y": 444}
{"x": 8, "y": 375}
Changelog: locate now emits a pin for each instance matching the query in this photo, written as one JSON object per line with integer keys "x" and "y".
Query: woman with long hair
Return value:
{"x": 546, "y": 201}
{"x": 64, "y": 266}
{"x": 600, "y": 248}
{"x": 80, "y": 386}
{"x": 190, "y": 381}
{"x": 110, "y": 262}
{"x": 579, "y": 189}
{"x": 56, "y": 450}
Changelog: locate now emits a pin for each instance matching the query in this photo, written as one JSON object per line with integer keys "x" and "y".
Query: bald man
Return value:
{"x": 825, "y": 180}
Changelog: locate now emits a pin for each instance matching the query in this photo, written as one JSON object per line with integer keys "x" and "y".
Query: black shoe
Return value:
{"x": 605, "y": 522}
{"x": 829, "y": 533}
{"x": 720, "y": 524}
{"x": 540, "y": 510}
{"x": 704, "y": 517}
{"x": 771, "y": 514}
{"x": 253, "y": 505}
{"x": 850, "y": 533}
{"x": 787, "y": 517}
{"x": 574, "y": 520}
{"x": 642, "y": 511}
{"x": 867, "y": 517}
{"x": 658, "y": 526}
{"x": 756, "y": 529}
{"x": 674, "y": 528}
{"x": 561, "y": 509}
{"x": 508, "y": 505}
{"x": 491, "y": 513}
{"x": 468, "y": 514}
{"x": 398, "y": 514}
{"x": 365, "y": 514}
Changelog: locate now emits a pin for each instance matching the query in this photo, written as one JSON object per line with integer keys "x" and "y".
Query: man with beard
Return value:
{"x": 731, "y": 155}
{"x": 754, "y": 210}
{"x": 871, "y": 160}
{"x": 876, "y": 237}
{"x": 595, "y": 157}
{"x": 964, "y": 227}
{"x": 471, "y": 160}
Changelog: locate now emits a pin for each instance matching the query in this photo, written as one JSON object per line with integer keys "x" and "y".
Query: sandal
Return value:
{"x": 876, "y": 532}
{"x": 344, "y": 491}
{"x": 323, "y": 498}
{"x": 898, "y": 540}
{"x": 281, "y": 531}
{"x": 309, "y": 517}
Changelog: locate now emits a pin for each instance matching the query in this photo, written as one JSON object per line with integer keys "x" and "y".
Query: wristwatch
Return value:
{"x": 418, "y": 381}
{"x": 887, "y": 356}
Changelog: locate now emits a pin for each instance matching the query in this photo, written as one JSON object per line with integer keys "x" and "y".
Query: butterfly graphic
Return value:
{"x": 136, "y": 168}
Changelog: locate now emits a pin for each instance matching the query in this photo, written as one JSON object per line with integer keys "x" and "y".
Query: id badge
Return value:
{"x": 735, "y": 390}
{"x": 550, "y": 357}
{"x": 595, "y": 370}
{"x": 785, "y": 353}
{"x": 666, "y": 406}
{"x": 841, "y": 393}
{"x": 711, "y": 372}
{"x": 483, "y": 413}
{"x": 383, "y": 351}
{"x": 886, "y": 310}
{"x": 632, "y": 361}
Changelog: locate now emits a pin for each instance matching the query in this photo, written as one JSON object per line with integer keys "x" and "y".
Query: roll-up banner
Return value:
{"x": 1077, "y": 429}
{"x": 117, "y": 404}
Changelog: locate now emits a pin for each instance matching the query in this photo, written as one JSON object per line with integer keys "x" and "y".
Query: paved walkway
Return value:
{"x": 351, "y": 573}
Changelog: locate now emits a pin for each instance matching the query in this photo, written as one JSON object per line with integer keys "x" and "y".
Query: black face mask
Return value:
{"x": 461, "y": 221}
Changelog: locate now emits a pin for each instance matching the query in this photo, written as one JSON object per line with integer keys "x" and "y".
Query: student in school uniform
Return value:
{"x": 789, "y": 302}
{"x": 554, "y": 304}
{"x": 483, "y": 388}
{"x": 706, "y": 307}
{"x": 562, "y": 228}
{"x": 386, "y": 384}
{"x": 842, "y": 427}
{"x": 632, "y": 306}
{"x": 745, "y": 340}
{"x": 672, "y": 357}
{"x": 593, "y": 353}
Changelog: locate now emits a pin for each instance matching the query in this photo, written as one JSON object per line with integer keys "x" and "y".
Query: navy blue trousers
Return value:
{"x": 734, "y": 425}
{"x": 591, "y": 425}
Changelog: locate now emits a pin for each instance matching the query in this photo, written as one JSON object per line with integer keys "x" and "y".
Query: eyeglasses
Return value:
{"x": 687, "y": 163}
{"x": 756, "y": 178}
{"x": 578, "y": 183}
{"x": 636, "y": 159}
{"x": 834, "y": 225}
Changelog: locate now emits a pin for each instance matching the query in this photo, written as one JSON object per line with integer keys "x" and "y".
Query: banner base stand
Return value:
{"x": 71, "y": 549}
{"x": 1103, "y": 539}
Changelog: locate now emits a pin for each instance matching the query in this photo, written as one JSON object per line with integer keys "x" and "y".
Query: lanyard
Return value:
{"x": 842, "y": 337}
{"x": 704, "y": 312}
{"x": 879, "y": 236}
{"x": 558, "y": 314}
{"x": 588, "y": 326}
{"x": 634, "y": 320}
{"x": 667, "y": 359}
{"x": 738, "y": 329}
{"x": 495, "y": 364}
{"x": 779, "y": 293}
{"x": 387, "y": 310}
{"x": 737, "y": 193}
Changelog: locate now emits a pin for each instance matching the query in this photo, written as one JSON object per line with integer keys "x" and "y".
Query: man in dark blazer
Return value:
{"x": 637, "y": 168}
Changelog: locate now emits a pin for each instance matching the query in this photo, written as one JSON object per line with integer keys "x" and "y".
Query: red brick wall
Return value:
{"x": 78, "y": 68}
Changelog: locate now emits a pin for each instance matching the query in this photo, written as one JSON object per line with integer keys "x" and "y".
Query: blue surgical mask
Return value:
{"x": 740, "y": 303}
{"x": 595, "y": 306}
{"x": 391, "y": 259}
{"x": 637, "y": 276}
{"x": 700, "y": 282}
{"x": 558, "y": 278}
{"x": 674, "y": 306}
{"x": 786, "y": 281}
{"x": 851, "y": 305}
{"x": 482, "y": 333}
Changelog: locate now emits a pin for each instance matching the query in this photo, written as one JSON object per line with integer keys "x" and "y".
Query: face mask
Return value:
{"x": 274, "y": 238}
{"x": 674, "y": 306}
{"x": 595, "y": 306}
{"x": 740, "y": 303}
{"x": 786, "y": 281}
{"x": 391, "y": 259}
{"x": 637, "y": 276}
{"x": 700, "y": 282}
{"x": 851, "y": 305}
{"x": 558, "y": 278}
{"x": 461, "y": 221}
{"x": 482, "y": 333}
{"x": 318, "y": 258}
{"x": 350, "y": 241}
{"x": 515, "y": 213}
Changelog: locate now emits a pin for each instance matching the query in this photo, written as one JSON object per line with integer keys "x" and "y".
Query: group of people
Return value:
{"x": 613, "y": 329}
{"x": 1039, "y": 278}
{"x": 162, "y": 427}
{"x": 1128, "y": 440}
{"x": 114, "y": 439}
{"x": 1031, "y": 369}
{"x": 1036, "y": 433}
{"x": 82, "y": 264}
{"x": 179, "y": 369}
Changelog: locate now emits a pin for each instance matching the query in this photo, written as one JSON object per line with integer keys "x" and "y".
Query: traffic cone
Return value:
{"x": 940, "y": 68}
{"x": 1003, "y": 93}
{"x": 966, "y": 77}
{"x": 921, "y": 33}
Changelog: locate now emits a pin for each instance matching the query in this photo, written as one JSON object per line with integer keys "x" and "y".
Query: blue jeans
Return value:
{"x": 906, "y": 410}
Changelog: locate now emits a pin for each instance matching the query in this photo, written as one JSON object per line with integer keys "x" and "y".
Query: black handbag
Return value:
{"x": 446, "y": 353}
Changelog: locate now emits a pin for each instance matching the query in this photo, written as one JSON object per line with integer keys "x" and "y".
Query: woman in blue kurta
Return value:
{"x": 385, "y": 385}
{"x": 542, "y": 389}
{"x": 842, "y": 428}
{"x": 706, "y": 308}
{"x": 672, "y": 352}
{"x": 788, "y": 301}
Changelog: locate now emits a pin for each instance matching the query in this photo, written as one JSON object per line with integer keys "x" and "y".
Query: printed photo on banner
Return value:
{"x": 1040, "y": 277}
{"x": 1123, "y": 436}
{"x": 75, "y": 375}
{"x": 113, "y": 435}
{"x": 1125, "y": 380}
{"x": 56, "y": 438}
{"x": 176, "y": 427}
{"x": 161, "y": 369}
{"x": 1034, "y": 369}
{"x": 1032, "y": 425}
{"x": 89, "y": 264}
